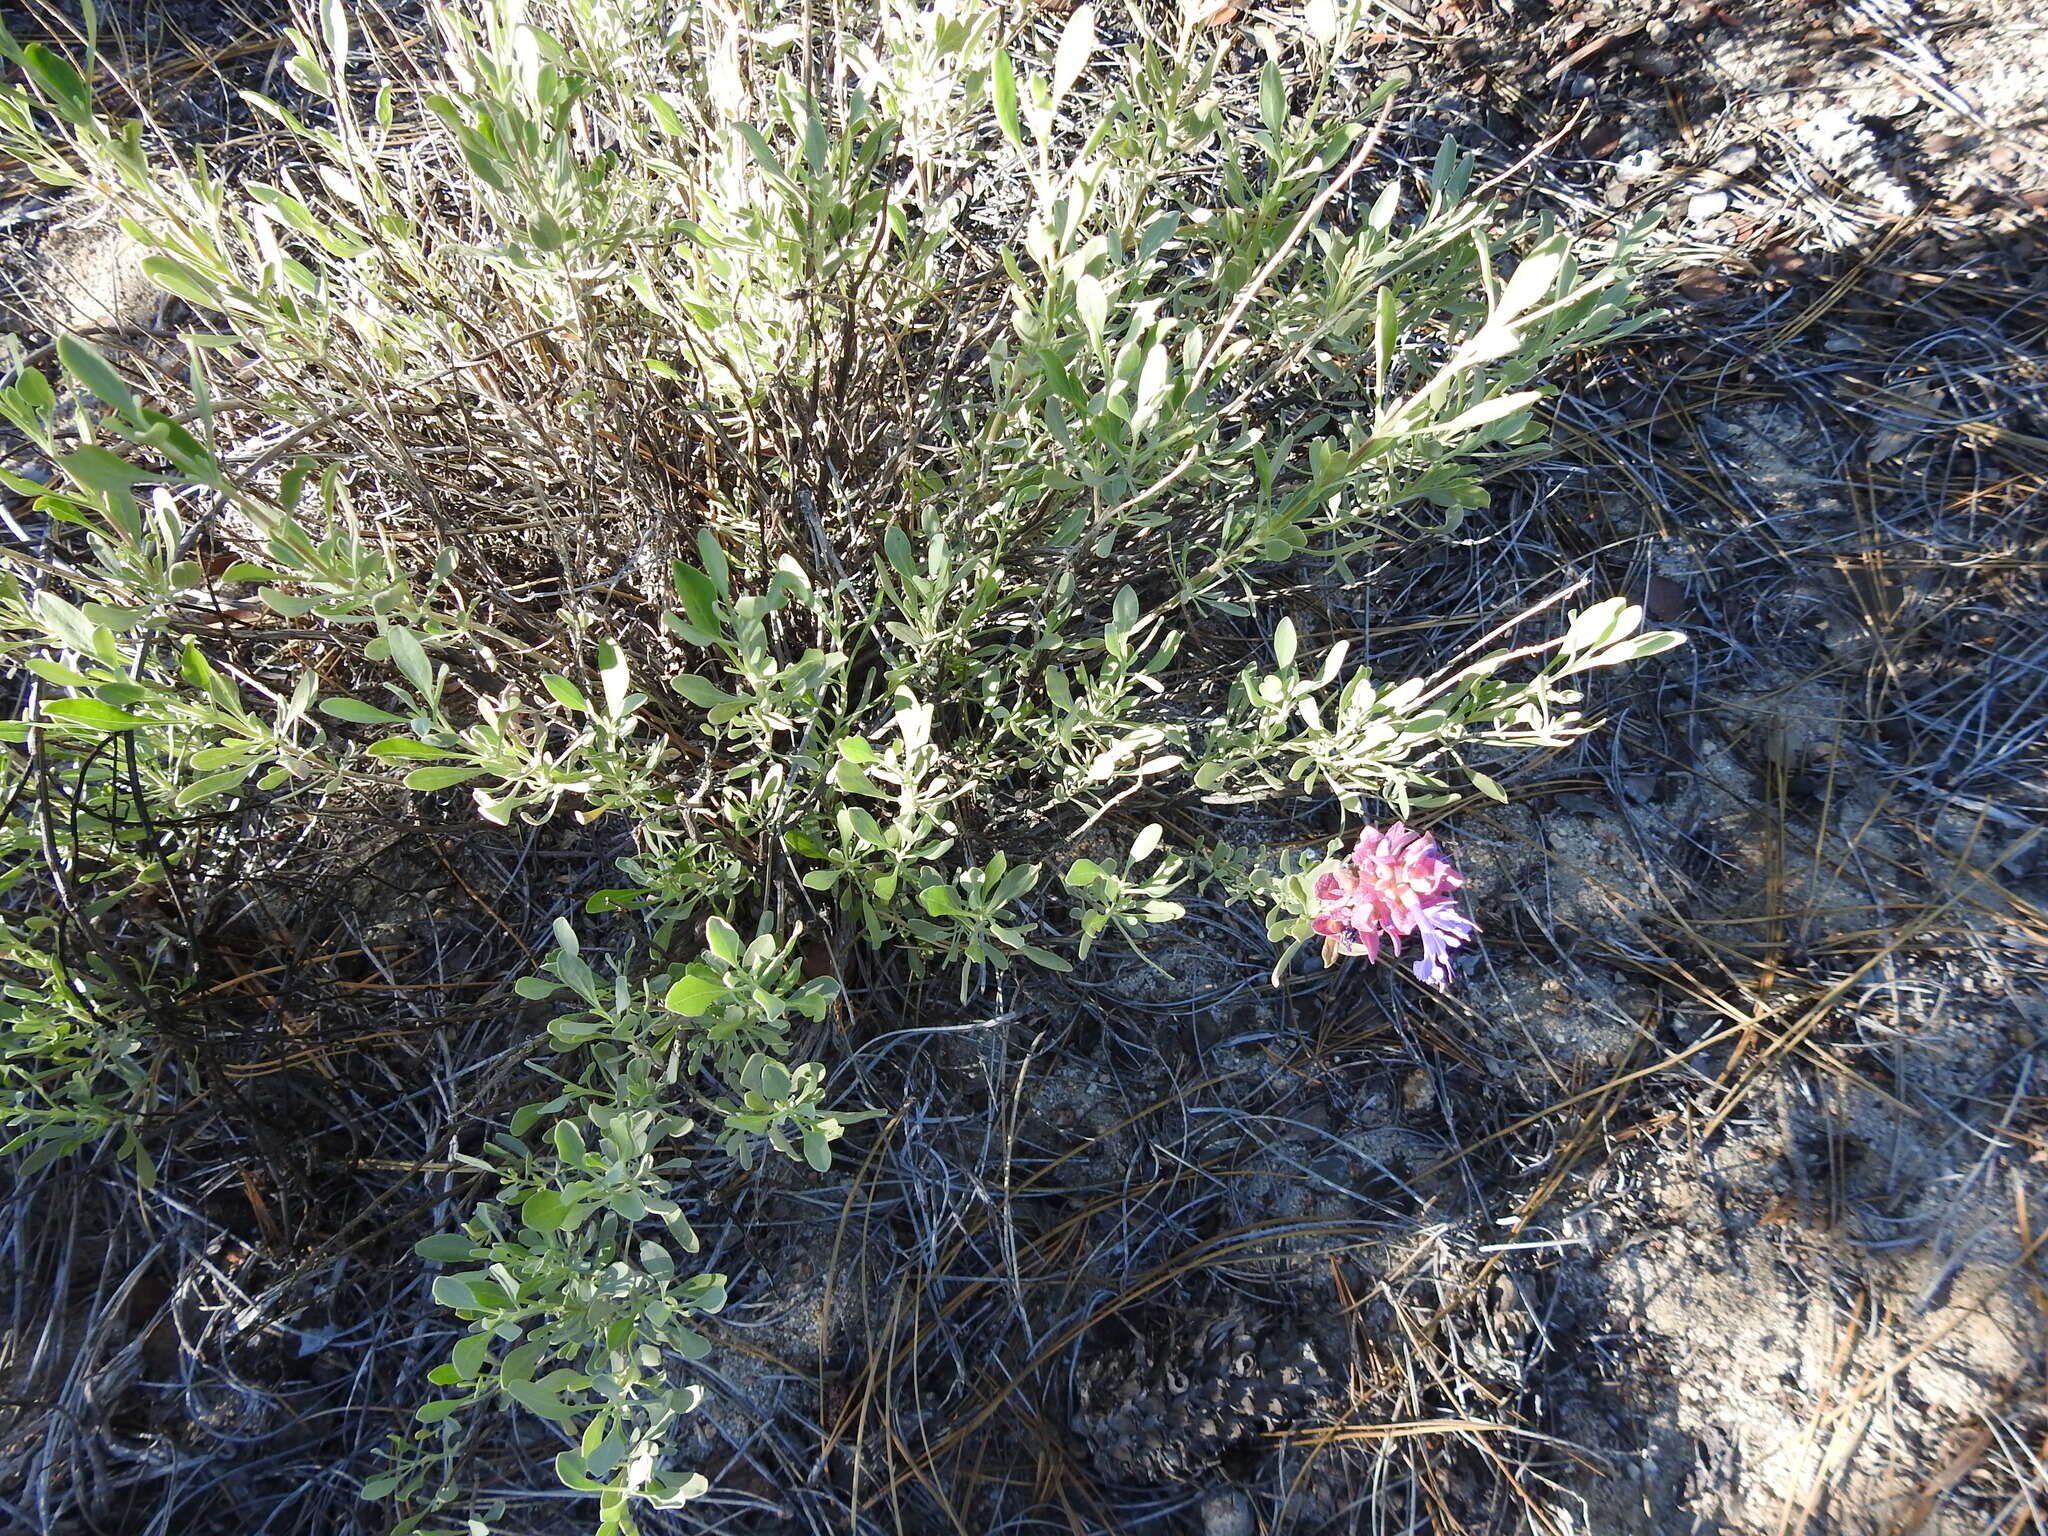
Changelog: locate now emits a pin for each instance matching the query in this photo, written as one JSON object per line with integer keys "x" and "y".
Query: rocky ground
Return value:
{"x": 1711, "y": 1201}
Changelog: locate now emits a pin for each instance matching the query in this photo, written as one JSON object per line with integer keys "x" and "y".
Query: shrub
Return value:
{"x": 812, "y": 451}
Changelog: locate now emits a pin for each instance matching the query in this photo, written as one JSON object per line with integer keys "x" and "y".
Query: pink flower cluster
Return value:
{"x": 1396, "y": 883}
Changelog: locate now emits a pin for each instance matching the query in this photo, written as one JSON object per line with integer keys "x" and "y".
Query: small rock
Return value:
{"x": 1783, "y": 260}
{"x": 1228, "y": 1513}
{"x": 1659, "y": 30}
{"x": 1666, "y": 601}
{"x": 1736, "y": 159}
{"x": 1702, "y": 285}
{"x": 1640, "y": 166}
{"x": 1702, "y": 206}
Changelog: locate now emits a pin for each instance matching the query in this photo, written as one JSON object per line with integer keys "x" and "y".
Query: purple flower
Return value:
{"x": 1396, "y": 883}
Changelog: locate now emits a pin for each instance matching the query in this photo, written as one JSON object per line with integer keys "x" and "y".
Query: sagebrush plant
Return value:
{"x": 809, "y": 445}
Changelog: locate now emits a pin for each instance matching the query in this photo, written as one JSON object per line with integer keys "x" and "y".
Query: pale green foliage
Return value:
{"x": 1279, "y": 733}
{"x": 577, "y": 1308}
{"x": 1132, "y": 899}
{"x": 965, "y": 361}
{"x": 574, "y": 1302}
{"x": 1391, "y": 739}
{"x": 74, "y": 1063}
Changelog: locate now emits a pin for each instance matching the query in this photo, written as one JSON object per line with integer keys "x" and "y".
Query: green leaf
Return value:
{"x": 520, "y": 1363}
{"x": 1487, "y": 412}
{"x": 1653, "y": 644}
{"x": 198, "y": 671}
{"x": 1618, "y": 652}
{"x": 1602, "y": 624}
{"x": 1003, "y": 76}
{"x": 544, "y": 1398}
{"x": 33, "y": 389}
{"x": 85, "y": 364}
{"x": 334, "y": 29}
{"x": 699, "y": 691}
{"x": 469, "y": 1354}
{"x": 897, "y": 550}
{"x": 692, "y": 995}
{"x": 762, "y": 151}
{"x": 1044, "y": 958}
{"x": 548, "y": 1210}
{"x": 469, "y": 1293}
{"x": 181, "y": 281}
{"x": 92, "y": 714}
{"x": 284, "y": 604}
{"x": 1285, "y": 642}
{"x": 405, "y": 746}
{"x": 445, "y": 1248}
{"x": 690, "y": 1344}
{"x": 410, "y": 657}
{"x": 772, "y": 1078}
{"x": 1153, "y": 380}
{"x": 1486, "y": 786}
{"x": 98, "y": 470}
{"x": 1091, "y": 303}
{"x": 356, "y": 712}
{"x": 446, "y": 777}
{"x": 1533, "y": 279}
{"x": 55, "y": 672}
{"x": 60, "y": 81}
{"x": 213, "y": 784}
{"x": 817, "y": 1150}
{"x": 722, "y": 939}
{"x": 71, "y": 627}
{"x": 615, "y": 677}
{"x": 565, "y": 693}
{"x": 1077, "y": 46}
{"x": 846, "y": 777}
{"x": 716, "y": 566}
{"x": 602, "y": 1453}
{"x": 1272, "y": 98}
